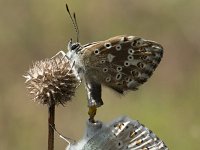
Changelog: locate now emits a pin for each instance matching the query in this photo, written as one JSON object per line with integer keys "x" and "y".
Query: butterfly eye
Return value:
{"x": 74, "y": 46}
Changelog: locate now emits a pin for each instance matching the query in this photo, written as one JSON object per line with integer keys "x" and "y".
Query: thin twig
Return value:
{"x": 51, "y": 120}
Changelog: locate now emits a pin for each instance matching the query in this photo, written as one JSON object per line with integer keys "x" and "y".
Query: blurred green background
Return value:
{"x": 169, "y": 103}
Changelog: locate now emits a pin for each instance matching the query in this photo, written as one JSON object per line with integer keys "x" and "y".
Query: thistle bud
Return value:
{"x": 51, "y": 81}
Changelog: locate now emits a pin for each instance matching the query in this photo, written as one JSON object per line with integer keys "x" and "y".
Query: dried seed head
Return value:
{"x": 51, "y": 81}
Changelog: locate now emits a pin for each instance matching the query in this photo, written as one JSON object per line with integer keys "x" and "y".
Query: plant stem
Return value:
{"x": 51, "y": 119}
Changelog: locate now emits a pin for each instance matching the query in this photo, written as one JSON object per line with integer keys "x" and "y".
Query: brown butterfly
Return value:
{"x": 121, "y": 63}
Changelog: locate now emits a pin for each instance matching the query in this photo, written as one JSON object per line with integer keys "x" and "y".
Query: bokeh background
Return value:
{"x": 169, "y": 103}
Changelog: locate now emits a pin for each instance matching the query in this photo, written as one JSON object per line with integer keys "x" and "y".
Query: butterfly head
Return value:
{"x": 73, "y": 49}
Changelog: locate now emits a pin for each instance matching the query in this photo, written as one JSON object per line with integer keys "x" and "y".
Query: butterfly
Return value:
{"x": 121, "y": 63}
{"x": 121, "y": 134}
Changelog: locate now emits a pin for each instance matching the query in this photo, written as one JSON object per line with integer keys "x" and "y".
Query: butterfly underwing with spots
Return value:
{"x": 122, "y": 134}
{"x": 121, "y": 63}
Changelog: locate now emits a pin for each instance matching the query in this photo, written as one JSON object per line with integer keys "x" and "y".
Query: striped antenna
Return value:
{"x": 74, "y": 21}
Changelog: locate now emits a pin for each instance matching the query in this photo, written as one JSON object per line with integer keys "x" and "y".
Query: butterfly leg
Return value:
{"x": 60, "y": 54}
{"x": 94, "y": 98}
{"x": 92, "y": 112}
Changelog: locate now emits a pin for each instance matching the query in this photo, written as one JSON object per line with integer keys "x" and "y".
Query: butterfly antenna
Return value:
{"x": 74, "y": 22}
{"x": 76, "y": 27}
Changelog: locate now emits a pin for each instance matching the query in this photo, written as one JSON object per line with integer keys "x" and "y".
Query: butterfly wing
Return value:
{"x": 122, "y": 62}
{"x": 131, "y": 135}
{"x": 122, "y": 134}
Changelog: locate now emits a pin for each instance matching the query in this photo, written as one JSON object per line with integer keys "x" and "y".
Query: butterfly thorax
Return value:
{"x": 80, "y": 59}
{"x": 75, "y": 59}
